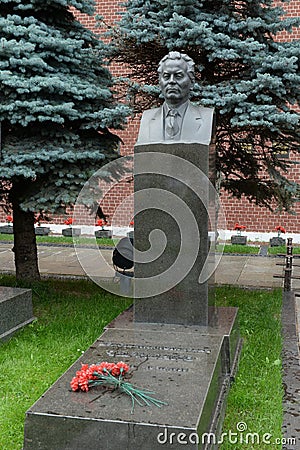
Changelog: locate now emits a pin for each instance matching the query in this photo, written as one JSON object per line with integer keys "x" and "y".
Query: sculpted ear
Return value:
{"x": 192, "y": 78}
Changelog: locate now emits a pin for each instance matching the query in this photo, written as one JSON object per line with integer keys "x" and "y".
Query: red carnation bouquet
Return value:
{"x": 9, "y": 219}
{"x": 101, "y": 223}
{"x": 280, "y": 230}
{"x": 112, "y": 375}
{"x": 239, "y": 228}
{"x": 68, "y": 221}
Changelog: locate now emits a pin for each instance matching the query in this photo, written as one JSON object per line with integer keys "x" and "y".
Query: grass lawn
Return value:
{"x": 282, "y": 250}
{"x": 72, "y": 314}
{"x": 235, "y": 248}
{"x": 64, "y": 240}
{"x": 83, "y": 240}
{"x": 256, "y": 395}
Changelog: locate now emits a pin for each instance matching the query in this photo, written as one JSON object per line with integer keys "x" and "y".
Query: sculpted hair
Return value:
{"x": 177, "y": 55}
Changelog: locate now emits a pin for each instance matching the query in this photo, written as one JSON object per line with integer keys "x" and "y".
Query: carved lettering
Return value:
{"x": 155, "y": 347}
{"x": 142, "y": 355}
{"x": 167, "y": 369}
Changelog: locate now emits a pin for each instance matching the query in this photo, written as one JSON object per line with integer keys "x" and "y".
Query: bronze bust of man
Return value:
{"x": 177, "y": 120}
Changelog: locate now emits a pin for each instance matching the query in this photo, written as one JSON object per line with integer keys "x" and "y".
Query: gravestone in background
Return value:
{"x": 7, "y": 229}
{"x": 42, "y": 231}
{"x": 277, "y": 241}
{"x": 103, "y": 234}
{"x": 238, "y": 240}
{"x": 71, "y": 231}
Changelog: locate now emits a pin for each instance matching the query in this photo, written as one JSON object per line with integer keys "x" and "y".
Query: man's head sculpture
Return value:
{"x": 177, "y": 119}
{"x": 176, "y": 77}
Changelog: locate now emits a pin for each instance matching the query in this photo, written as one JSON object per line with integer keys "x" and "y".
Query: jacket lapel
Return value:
{"x": 191, "y": 123}
{"x": 156, "y": 126}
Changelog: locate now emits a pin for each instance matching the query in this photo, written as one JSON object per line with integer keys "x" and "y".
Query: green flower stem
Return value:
{"x": 140, "y": 396}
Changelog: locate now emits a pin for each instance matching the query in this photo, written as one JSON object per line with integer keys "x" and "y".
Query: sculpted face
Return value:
{"x": 175, "y": 82}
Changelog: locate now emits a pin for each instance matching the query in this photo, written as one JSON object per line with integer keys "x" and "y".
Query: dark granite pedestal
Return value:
{"x": 71, "y": 232}
{"x": 277, "y": 241}
{"x": 103, "y": 234}
{"x": 42, "y": 231}
{"x": 171, "y": 200}
{"x": 15, "y": 310}
{"x": 7, "y": 229}
{"x": 238, "y": 240}
{"x": 189, "y": 367}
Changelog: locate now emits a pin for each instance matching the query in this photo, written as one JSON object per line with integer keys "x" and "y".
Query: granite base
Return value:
{"x": 42, "y": 231}
{"x": 7, "y": 229}
{"x": 71, "y": 232}
{"x": 188, "y": 367}
{"x": 238, "y": 240}
{"x": 277, "y": 241}
{"x": 15, "y": 310}
{"x": 103, "y": 234}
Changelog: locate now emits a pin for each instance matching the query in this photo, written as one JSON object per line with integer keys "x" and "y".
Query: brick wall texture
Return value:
{"x": 118, "y": 203}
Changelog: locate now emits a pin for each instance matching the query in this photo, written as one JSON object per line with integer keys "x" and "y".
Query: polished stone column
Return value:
{"x": 171, "y": 195}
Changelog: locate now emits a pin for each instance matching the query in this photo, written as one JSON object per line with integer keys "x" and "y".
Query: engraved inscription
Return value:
{"x": 142, "y": 355}
{"x": 167, "y": 369}
{"x": 156, "y": 347}
{"x": 157, "y": 352}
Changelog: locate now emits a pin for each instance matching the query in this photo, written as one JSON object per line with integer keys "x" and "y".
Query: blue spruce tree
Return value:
{"x": 250, "y": 78}
{"x": 56, "y": 108}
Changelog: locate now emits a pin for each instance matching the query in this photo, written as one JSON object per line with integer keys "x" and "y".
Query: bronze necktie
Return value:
{"x": 172, "y": 127}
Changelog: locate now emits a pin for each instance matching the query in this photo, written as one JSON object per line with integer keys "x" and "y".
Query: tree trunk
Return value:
{"x": 25, "y": 249}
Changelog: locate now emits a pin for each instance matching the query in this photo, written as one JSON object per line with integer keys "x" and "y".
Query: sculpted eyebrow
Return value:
{"x": 178, "y": 72}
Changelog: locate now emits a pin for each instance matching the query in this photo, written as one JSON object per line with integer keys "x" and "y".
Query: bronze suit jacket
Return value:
{"x": 197, "y": 125}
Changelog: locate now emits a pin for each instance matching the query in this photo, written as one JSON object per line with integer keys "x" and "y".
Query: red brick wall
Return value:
{"x": 292, "y": 9}
{"x": 261, "y": 219}
{"x": 256, "y": 218}
{"x": 119, "y": 204}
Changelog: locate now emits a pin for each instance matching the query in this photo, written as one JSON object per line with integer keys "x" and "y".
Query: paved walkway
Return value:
{"x": 240, "y": 270}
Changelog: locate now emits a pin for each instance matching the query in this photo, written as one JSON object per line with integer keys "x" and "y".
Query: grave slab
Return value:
{"x": 15, "y": 310}
{"x": 190, "y": 368}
